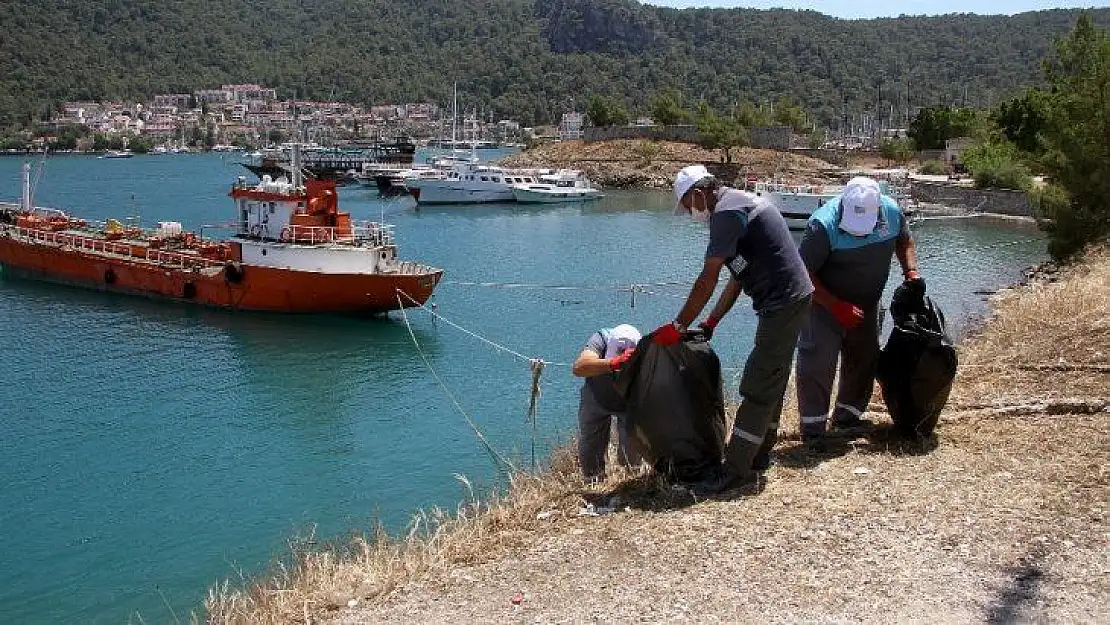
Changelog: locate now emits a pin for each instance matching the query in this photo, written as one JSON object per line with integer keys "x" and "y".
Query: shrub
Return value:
{"x": 934, "y": 167}
{"x": 997, "y": 165}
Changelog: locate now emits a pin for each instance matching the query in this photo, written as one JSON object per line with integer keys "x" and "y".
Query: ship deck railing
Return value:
{"x": 364, "y": 234}
{"x": 122, "y": 249}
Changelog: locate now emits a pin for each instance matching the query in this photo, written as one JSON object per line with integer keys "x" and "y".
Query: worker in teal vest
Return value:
{"x": 847, "y": 249}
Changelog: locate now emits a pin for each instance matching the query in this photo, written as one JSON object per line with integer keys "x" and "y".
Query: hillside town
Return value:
{"x": 251, "y": 115}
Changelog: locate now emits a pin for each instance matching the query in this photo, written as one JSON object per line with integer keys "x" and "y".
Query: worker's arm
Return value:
{"x": 821, "y": 295}
{"x": 701, "y": 292}
{"x": 588, "y": 364}
{"x": 906, "y": 251}
{"x": 727, "y": 299}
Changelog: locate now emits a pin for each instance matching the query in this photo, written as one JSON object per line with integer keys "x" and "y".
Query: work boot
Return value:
{"x": 725, "y": 482}
{"x": 852, "y": 426}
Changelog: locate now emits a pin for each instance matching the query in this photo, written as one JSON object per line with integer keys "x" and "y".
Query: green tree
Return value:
{"x": 605, "y": 111}
{"x": 666, "y": 108}
{"x": 719, "y": 133}
{"x": 997, "y": 164}
{"x": 749, "y": 115}
{"x": 1023, "y": 120}
{"x": 934, "y": 125}
{"x": 898, "y": 150}
{"x": 1077, "y": 136}
{"x": 787, "y": 113}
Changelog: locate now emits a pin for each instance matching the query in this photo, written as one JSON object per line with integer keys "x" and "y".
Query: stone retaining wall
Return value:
{"x": 1000, "y": 201}
{"x": 684, "y": 134}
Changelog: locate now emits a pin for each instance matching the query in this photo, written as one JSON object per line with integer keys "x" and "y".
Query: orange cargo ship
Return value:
{"x": 293, "y": 251}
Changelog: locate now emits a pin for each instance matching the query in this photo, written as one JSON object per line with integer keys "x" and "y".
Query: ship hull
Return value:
{"x": 233, "y": 286}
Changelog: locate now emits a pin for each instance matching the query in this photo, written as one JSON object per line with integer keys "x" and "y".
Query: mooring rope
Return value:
{"x": 477, "y": 336}
{"x": 497, "y": 457}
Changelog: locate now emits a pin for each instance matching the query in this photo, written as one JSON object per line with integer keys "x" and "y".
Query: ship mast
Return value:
{"x": 25, "y": 202}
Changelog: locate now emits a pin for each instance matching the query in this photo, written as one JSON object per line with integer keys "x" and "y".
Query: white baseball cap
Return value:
{"x": 621, "y": 339}
{"x": 687, "y": 177}
{"x": 859, "y": 206}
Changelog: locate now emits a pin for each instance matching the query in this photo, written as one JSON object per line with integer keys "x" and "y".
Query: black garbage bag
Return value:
{"x": 676, "y": 408}
{"x": 917, "y": 365}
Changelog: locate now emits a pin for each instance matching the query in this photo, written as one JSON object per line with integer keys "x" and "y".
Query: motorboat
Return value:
{"x": 470, "y": 183}
{"x": 564, "y": 185}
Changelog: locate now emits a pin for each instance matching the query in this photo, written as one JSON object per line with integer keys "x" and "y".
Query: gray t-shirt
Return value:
{"x": 753, "y": 238}
{"x": 603, "y": 387}
{"x": 853, "y": 268}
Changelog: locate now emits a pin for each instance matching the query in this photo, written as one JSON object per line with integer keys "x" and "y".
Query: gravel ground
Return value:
{"x": 1005, "y": 521}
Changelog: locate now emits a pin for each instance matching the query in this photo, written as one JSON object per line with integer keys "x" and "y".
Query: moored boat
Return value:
{"x": 564, "y": 185}
{"x": 292, "y": 251}
{"x": 469, "y": 183}
{"x": 796, "y": 202}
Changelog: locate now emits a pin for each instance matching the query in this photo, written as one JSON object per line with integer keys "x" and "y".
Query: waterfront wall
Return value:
{"x": 684, "y": 134}
{"x": 1000, "y": 201}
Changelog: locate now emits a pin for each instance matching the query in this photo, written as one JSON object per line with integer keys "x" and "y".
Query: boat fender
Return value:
{"x": 109, "y": 276}
{"x": 233, "y": 272}
{"x": 189, "y": 290}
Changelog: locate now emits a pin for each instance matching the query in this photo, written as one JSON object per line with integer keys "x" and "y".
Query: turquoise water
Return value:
{"x": 150, "y": 449}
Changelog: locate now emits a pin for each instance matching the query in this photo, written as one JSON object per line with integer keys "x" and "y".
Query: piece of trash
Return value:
{"x": 591, "y": 510}
{"x": 352, "y": 603}
{"x": 861, "y": 470}
{"x": 546, "y": 514}
{"x": 517, "y": 599}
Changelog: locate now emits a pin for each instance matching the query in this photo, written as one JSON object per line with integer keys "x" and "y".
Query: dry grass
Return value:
{"x": 1002, "y": 518}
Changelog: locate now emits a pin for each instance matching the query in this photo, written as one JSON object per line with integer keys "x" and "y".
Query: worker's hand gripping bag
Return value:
{"x": 917, "y": 365}
{"x": 676, "y": 411}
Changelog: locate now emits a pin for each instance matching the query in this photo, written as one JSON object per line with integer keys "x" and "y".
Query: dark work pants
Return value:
{"x": 594, "y": 423}
{"x": 822, "y": 343}
{"x": 763, "y": 385}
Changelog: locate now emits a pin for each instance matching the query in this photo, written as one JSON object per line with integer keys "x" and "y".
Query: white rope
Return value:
{"x": 474, "y": 426}
{"x": 474, "y": 334}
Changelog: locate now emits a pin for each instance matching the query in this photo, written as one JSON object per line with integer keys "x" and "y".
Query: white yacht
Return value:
{"x": 797, "y": 202}
{"x": 564, "y": 185}
{"x": 469, "y": 183}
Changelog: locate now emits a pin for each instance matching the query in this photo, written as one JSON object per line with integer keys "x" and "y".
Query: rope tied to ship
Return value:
{"x": 475, "y": 335}
{"x": 493, "y": 453}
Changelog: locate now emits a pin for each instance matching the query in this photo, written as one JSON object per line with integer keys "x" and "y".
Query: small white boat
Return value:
{"x": 797, "y": 202}
{"x": 117, "y": 154}
{"x": 564, "y": 185}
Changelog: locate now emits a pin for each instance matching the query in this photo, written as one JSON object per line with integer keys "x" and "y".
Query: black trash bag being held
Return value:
{"x": 917, "y": 365}
{"x": 676, "y": 409}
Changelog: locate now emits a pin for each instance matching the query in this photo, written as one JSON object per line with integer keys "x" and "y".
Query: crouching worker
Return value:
{"x": 606, "y": 351}
{"x": 847, "y": 248}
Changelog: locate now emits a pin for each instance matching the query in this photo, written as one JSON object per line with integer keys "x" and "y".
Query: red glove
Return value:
{"x": 666, "y": 334}
{"x": 617, "y": 363}
{"x": 847, "y": 314}
{"x": 708, "y": 326}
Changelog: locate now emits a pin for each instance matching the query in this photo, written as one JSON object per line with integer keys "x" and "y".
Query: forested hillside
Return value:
{"x": 521, "y": 58}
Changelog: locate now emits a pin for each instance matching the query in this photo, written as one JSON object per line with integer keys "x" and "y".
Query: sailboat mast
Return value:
{"x": 454, "y": 114}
